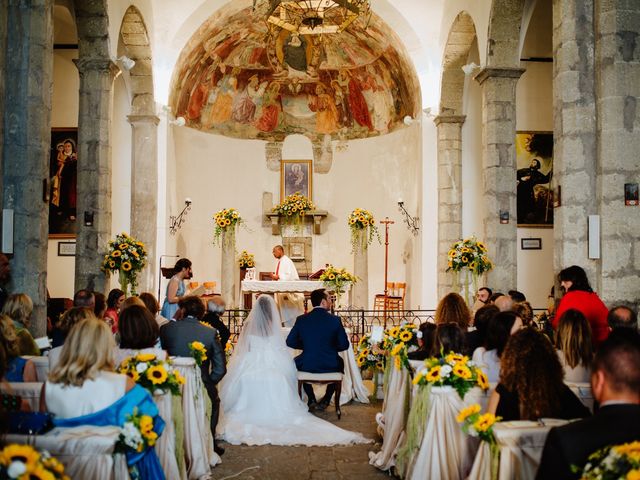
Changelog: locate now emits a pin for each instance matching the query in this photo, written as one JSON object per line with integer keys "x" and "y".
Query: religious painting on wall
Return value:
{"x": 237, "y": 78}
{"x": 295, "y": 177}
{"x": 63, "y": 175}
{"x": 534, "y": 158}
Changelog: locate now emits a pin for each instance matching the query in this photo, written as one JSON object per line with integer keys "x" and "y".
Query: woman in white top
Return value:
{"x": 501, "y": 327}
{"x": 575, "y": 346}
{"x": 83, "y": 381}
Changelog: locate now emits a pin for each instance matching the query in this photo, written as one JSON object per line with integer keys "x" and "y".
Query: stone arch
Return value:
{"x": 505, "y": 23}
{"x": 134, "y": 43}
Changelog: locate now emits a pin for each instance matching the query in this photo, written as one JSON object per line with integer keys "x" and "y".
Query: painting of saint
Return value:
{"x": 268, "y": 120}
{"x": 357, "y": 102}
{"x": 326, "y": 112}
{"x": 534, "y": 156}
{"x": 64, "y": 176}
{"x": 295, "y": 178}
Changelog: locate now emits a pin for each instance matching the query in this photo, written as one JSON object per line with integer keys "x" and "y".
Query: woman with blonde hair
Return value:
{"x": 574, "y": 345}
{"x": 453, "y": 309}
{"x": 18, "y": 307}
{"x": 18, "y": 369}
{"x": 83, "y": 389}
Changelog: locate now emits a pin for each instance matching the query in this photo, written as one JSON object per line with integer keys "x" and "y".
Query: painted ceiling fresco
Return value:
{"x": 235, "y": 77}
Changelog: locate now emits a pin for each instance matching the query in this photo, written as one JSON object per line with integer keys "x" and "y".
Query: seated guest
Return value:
{"x": 615, "y": 383}
{"x": 482, "y": 298}
{"x": 114, "y": 302}
{"x": 525, "y": 312}
{"x": 477, "y": 337}
{"x": 501, "y": 326}
{"x": 453, "y": 308}
{"x": 83, "y": 390}
{"x": 516, "y": 296}
{"x": 139, "y": 331}
{"x": 494, "y": 297}
{"x": 100, "y": 307}
{"x": 65, "y": 324}
{"x": 531, "y": 382}
{"x": 153, "y": 306}
{"x": 215, "y": 308}
{"x": 130, "y": 301}
{"x": 18, "y": 307}
{"x": 575, "y": 346}
{"x": 9, "y": 402}
{"x": 17, "y": 369}
{"x": 504, "y": 303}
{"x": 426, "y": 337}
{"x": 449, "y": 337}
{"x": 84, "y": 298}
{"x": 622, "y": 317}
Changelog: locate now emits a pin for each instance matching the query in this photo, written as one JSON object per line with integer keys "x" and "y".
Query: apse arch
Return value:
{"x": 505, "y": 24}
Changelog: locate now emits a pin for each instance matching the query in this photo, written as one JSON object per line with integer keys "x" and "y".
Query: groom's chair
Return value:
{"x": 323, "y": 379}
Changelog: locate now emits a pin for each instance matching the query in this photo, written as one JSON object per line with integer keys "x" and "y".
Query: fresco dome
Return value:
{"x": 240, "y": 78}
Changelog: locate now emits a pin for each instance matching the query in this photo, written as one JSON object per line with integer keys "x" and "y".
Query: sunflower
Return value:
{"x": 456, "y": 358}
{"x": 380, "y": 364}
{"x": 416, "y": 379}
{"x": 352, "y": 221}
{"x": 146, "y": 424}
{"x": 397, "y": 361}
{"x": 112, "y": 264}
{"x": 21, "y": 453}
{"x": 135, "y": 376}
{"x": 484, "y": 422}
{"x": 145, "y": 357}
{"x": 122, "y": 246}
{"x": 483, "y": 381}
{"x": 332, "y": 276}
{"x": 462, "y": 371}
{"x": 157, "y": 374}
{"x": 633, "y": 474}
{"x": 151, "y": 438}
{"x": 198, "y": 346}
{"x": 433, "y": 375}
{"x": 116, "y": 253}
{"x": 394, "y": 332}
{"x": 467, "y": 412}
{"x": 179, "y": 378}
{"x": 361, "y": 359}
{"x": 406, "y": 335}
{"x": 234, "y": 215}
{"x": 631, "y": 449}
{"x": 396, "y": 350}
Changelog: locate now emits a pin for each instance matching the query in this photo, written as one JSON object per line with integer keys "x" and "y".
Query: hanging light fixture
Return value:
{"x": 313, "y": 17}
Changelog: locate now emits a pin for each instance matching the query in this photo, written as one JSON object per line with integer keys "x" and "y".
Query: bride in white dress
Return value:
{"x": 260, "y": 403}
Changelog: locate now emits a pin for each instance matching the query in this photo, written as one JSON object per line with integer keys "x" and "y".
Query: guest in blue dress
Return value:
{"x": 18, "y": 369}
{"x": 176, "y": 289}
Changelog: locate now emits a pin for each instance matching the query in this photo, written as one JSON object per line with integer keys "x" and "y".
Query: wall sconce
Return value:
{"x": 469, "y": 68}
{"x": 88, "y": 219}
{"x": 179, "y": 122}
{"x": 176, "y": 222}
{"x": 126, "y": 63}
{"x": 412, "y": 222}
{"x": 408, "y": 120}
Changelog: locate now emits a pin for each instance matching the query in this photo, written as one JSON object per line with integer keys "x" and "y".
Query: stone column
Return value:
{"x": 449, "y": 193}
{"x": 361, "y": 270}
{"x": 499, "y": 172}
{"x": 574, "y": 131}
{"x": 617, "y": 88}
{"x": 228, "y": 268}
{"x": 4, "y": 13}
{"x": 28, "y": 73}
{"x": 94, "y": 169}
{"x": 144, "y": 191}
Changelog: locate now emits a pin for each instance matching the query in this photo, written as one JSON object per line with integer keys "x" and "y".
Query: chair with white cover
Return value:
{"x": 166, "y": 445}
{"x": 352, "y": 385}
{"x": 85, "y": 452}
{"x": 29, "y": 391}
{"x": 334, "y": 378}
{"x": 42, "y": 368}
{"x": 198, "y": 442}
{"x": 583, "y": 392}
{"x": 520, "y": 444}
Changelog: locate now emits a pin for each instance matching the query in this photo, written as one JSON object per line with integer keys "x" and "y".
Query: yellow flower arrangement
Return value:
{"x": 399, "y": 341}
{"x": 370, "y": 355}
{"x": 147, "y": 370}
{"x": 469, "y": 253}
{"x": 361, "y": 220}
{"x": 198, "y": 351}
{"x": 246, "y": 260}
{"x": 451, "y": 369}
{"x": 137, "y": 433}
{"x": 477, "y": 424}
{"x": 25, "y": 462}
{"x": 294, "y": 207}
{"x": 225, "y": 220}
{"x": 336, "y": 279}
{"x": 617, "y": 461}
{"x": 127, "y": 256}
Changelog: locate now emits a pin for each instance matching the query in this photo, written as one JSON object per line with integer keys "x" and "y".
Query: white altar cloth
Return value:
{"x": 270, "y": 286}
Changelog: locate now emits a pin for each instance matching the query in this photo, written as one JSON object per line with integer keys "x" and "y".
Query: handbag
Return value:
{"x": 30, "y": 423}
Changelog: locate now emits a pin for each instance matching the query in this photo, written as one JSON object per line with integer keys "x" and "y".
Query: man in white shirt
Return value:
{"x": 290, "y": 304}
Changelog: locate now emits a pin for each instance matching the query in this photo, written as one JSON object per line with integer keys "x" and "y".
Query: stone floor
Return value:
{"x": 308, "y": 463}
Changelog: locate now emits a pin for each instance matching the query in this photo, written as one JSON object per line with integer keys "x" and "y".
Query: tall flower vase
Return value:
{"x": 465, "y": 282}
{"x": 228, "y": 265}
{"x": 123, "y": 279}
{"x": 361, "y": 271}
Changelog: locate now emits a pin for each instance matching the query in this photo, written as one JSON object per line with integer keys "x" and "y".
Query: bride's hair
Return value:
{"x": 264, "y": 317}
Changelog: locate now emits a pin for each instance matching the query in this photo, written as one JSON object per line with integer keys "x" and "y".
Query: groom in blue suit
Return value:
{"x": 320, "y": 336}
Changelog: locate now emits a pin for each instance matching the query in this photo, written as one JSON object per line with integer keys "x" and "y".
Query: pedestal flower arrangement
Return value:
{"x": 293, "y": 209}
{"x": 468, "y": 256}
{"x": 363, "y": 229}
{"x": 156, "y": 375}
{"x": 246, "y": 260}
{"x": 336, "y": 279}
{"x": 128, "y": 257}
{"x": 399, "y": 341}
{"x": 226, "y": 221}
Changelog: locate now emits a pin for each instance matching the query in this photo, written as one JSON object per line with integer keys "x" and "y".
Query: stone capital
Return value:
{"x": 97, "y": 64}
{"x": 449, "y": 119}
{"x": 142, "y": 119}
{"x": 498, "y": 72}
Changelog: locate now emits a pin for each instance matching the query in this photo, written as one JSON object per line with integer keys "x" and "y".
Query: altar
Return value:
{"x": 289, "y": 286}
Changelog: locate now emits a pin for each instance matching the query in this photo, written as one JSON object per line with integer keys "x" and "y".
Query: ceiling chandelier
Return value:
{"x": 313, "y": 17}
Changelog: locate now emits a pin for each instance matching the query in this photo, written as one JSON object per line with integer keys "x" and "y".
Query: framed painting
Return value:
{"x": 534, "y": 158}
{"x": 295, "y": 177}
{"x": 63, "y": 175}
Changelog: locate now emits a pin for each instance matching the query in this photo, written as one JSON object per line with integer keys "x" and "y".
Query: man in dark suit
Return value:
{"x": 175, "y": 338}
{"x": 615, "y": 382}
{"x": 320, "y": 336}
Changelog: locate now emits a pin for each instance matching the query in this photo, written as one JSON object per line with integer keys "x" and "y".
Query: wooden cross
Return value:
{"x": 386, "y": 222}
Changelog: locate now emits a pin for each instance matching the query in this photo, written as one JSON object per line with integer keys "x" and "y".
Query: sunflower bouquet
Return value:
{"x": 127, "y": 256}
{"x": 469, "y": 254}
{"x": 294, "y": 207}
{"x": 246, "y": 260}
{"x": 454, "y": 370}
{"x": 613, "y": 462}
{"x": 477, "y": 424}
{"x": 225, "y": 220}
{"x": 399, "y": 341}
{"x": 362, "y": 222}
{"x": 336, "y": 279}
{"x": 137, "y": 433}
{"x": 228, "y": 349}
{"x": 25, "y": 462}
{"x": 370, "y": 355}
{"x": 198, "y": 352}
{"x": 152, "y": 373}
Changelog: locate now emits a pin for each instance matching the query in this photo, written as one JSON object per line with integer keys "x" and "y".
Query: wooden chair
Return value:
{"x": 395, "y": 298}
{"x": 323, "y": 379}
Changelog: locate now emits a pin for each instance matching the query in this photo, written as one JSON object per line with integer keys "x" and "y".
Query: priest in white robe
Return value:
{"x": 291, "y": 305}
